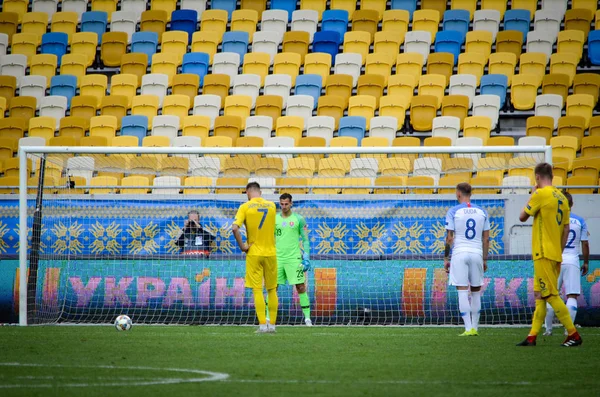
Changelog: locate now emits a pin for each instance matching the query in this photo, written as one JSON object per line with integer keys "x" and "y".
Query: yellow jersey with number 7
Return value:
{"x": 258, "y": 215}
{"x": 550, "y": 211}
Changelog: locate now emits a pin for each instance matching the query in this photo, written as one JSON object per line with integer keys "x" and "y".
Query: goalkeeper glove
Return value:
{"x": 306, "y": 262}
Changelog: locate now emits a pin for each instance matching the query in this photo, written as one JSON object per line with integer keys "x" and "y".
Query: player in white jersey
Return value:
{"x": 570, "y": 272}
{"x": 467, "y": 233}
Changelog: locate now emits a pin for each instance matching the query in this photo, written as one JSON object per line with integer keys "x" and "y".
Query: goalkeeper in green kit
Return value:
{"x": 292, "y": 262}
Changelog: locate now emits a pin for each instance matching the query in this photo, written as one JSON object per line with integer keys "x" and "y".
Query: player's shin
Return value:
{"x": 305, "y": 304}
{"x": 273, "y": 305}
{"x": 260, "y": 306}
{"x": 549, "y": 318}
{"x": 465, "y": 308}
{"x": 562, "y": 313}
{"x": 267, "y": 309}
{"x": 475, "y": 308}
{"x": 539, "y": 315}
{"x": 572, "y": 306}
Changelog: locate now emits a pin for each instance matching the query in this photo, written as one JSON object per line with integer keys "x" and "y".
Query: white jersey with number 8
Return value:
{"x": 468, "y": 221}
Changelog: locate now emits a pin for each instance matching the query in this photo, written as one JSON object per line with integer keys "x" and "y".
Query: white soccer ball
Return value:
{"x": 123, "y": 323}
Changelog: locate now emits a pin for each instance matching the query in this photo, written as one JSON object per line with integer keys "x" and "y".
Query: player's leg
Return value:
{"x": 270, "y": 277}
{"x": 297, "y": 277}
{"x": 540, "y": 304}
{"x": 476, "y": 281}
{"x": 549, "y": 276}
{"x": 281, "y": 279}
{"x": 549, "y": 309}
{"x": 459, "y": 277}
{"x": 254, "y": 273}
{"x": 571, "y": 277}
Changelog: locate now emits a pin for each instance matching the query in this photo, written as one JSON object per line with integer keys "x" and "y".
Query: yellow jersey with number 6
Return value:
{"x": 258, "y": 215}
{"x": 550, "y": 211}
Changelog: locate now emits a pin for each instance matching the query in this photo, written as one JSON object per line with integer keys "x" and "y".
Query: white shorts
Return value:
{"x": 570, "y": 278}
{"x": 466, "y": 269}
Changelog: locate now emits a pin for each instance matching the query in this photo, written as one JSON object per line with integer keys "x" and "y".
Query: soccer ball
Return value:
{"x": 123, "y": 323}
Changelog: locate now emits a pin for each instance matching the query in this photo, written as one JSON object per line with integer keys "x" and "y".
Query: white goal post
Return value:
{"x": 27, "y": 152}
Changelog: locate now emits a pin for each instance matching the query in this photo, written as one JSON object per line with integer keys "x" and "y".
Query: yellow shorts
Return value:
{"x": 259, "y": 268}
{"x": 545, "y": 277}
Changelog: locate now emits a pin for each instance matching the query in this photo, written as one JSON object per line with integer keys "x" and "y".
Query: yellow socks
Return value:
{"x": 562, "y": 313}
{"x": 539, "y": 315}
{"x": 260, "y": 305}
{"x": 273, "y": 305}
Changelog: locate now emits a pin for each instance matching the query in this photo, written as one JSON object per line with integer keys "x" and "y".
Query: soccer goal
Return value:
{"x": 103, "y": 230}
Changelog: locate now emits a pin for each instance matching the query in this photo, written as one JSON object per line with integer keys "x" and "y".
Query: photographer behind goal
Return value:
{"x": 194, "y": 239}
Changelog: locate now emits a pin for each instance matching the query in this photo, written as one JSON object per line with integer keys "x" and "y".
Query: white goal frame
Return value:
{"x": 24, "y": 151}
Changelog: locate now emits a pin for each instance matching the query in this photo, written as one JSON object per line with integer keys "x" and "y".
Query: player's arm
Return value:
{"x": 305, "y": 244}
{"x": 240, "y": 218}
{"x": 447, "y": 247}
{"x": 532, "y": 207}
{"x": 585, "y": 249}
{"x": 565, "y": 236}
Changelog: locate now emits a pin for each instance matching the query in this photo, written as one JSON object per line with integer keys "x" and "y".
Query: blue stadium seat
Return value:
{"x": 227, "y": 5}
{"x": 335, "y": 21}
{"x": 448, "y": 41}
{"x": 287, "y": 5}
{"x": 94, "y": 21}
{"x": 594, "y": 47}
{"x": 457, "y": 20}
{"x": 353, "y": 126}
{"x": 408, "y": 5}
{"x": 494, "y": 84}
{"x": 196, "y": 63}
{"x": 135, "y": 126}
{"x": 55, "y": 43}
{"x": 309, "y": 84}
{"x": 64, "y": 85}
{"x": 185, "y": 21}
{"x": 236, "y": 42}
{"x": 327, "y": 42}
{"x": 517, "y": 20}
{"x": 145, "y": 42}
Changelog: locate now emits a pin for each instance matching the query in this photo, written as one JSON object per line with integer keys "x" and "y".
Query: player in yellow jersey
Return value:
{"x": 550, "y": 212}
{"x": 258, "y": 216}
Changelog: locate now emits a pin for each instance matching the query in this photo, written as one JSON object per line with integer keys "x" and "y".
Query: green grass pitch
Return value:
{"x": 320, "y": 361}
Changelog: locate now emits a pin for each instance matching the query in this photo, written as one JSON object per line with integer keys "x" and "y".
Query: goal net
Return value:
{"x": 104, "y": 232}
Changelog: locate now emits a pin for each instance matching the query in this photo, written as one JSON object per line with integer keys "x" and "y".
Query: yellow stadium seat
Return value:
{"x": 410, "y": 63}
{"x": 420, "y": 181}
{"x": 9, "y": 21}
{"x": 228, "y": 126}
{"x": 563, "y": 63}
{"x": 591, "y": 5}
{"x": 145, "y": 105}
{"x": 401, "y": 86}
{"x": 581, "y": 105}
{"x": 25, "y": 44}
{"x": 560, "y": 167}
{"x": 206, "y": 41}
{"x": 296, "y": 42}
{"x": 587, "y": 83}
{"x": 387, "y": 43}
{"x": 376, "y": 5}
{"x": 484, "y": 181}
{"x": 245, "y": 21}
{"x": 372, "y": 85}
{"x": 347, "y": 5}
{"x": 441, "y": 63}
{"x": 509, "y": 41}
{"x": 579, "y": 19}
{"x": 391, "y": 105}
{"x": 238, "y": 166}
{"x": 564, "y": 146}
{"x": 581, "y": 181}
{"x": 114, "y": 46}
{"x": 594, "y": 126}
{"x": 423, "y": 109}
{"x": 491, "y": 167}
{"x": 257, "y": 63}
{"x": 435, "y": 141}
{"x": 340, "y": 85}
{"x": 317, "y": 5}
{"x": 42, "y": 127}
{"x": 250, "y": 141}
{"x": 269, "y": 105}
{"x": 362, "y": 105}
{"x": 542, "y": 126}
{"x": 374, "y": 142}
{"x": 48, "y": 181}
{"x": 534, "y": 64}
{"x": 124, "y": 85}
{"x": 366, "y": 21}
{"x": 23, "y": 107}
{"x": 76, "y": 180}
{"x": 109, "y": 185}
{"x": 570, "y": 42}
{"x": 135, "y": 184}
{"x": 239, "y": 183}
{"x": 590, "y": 147}
{"x": 75, "y": 65}
{"x": 198, "y": 185}
{"x": 238, "y": 105}
{"x": 331, "y": 105}
{"x": 257, "y": 5}
{"x": 522, "y": 166}
{"x": 148, "y": 165}
{"x": 125, "y": 141}
{"x": 586, "y": 167}
{"x": 502, "y": 63}
{"x": 530, "y": 5}
{"x": 471, "y": 63}
{"x": 156, "y": 141}
{"x": 214, "y": 21}
{"x": 383, "y": 184}
{"x": 437, "y": 5}
{"x": 2, "y": 106}
{"x": 216, "y": 84}
{"x": 478, "y": 127}
{"x": 523, "y": 91}
{"x": 84, "y": 107}
{"x": 290, "y": 126}
{"x": 426, "y": 20}
{"x": 395, "y": 166}
{"x": 269, "y": 167}
{"x": 154, "y": 21}
{"x": 177, "y": 105}
{"x": 433, "y": 85}
{"x": 186, "y": 84}
{"x": 115, "y": 105}
{"x": 65, "y": 22}
{"x": 167, "y": 6}
{"x": 136, "y": 64}
{"x": 379, "y": 63}
{"x": 456, "y": 106}
{"x": 396, "y": 21}
{"x": 85, "y": 43}
{"x": 451, "y": 181}
{"x": 287, "y": 63}
{"x": 293, "y": 185}
{"x": 301, "y": 167}
{"x": 498, "y": 5}
{"x": 343, "y": 142}
{"x": 573, "y": 126}
{"x": 42, "y": 65}
{"x": 108, "y": 6}
{"x": 35, "y": 23}
{"x": 174, "y": 43}
{"x": 312, "y": 141}
{"x": 479, "y": 41}
{"x": 556, "y": 83}
{"x": 331, "y": 167}
{"x": 11, "y": 168}
{"x": 322, "y": 185}
{"x": 319, "y": 64}
{"x": 501, "y": 141}
{"x": 104, "y": 126}
{"x": 357, "y": 185}
{"x": 469, "y": 5}
{"x": 198, "y": 126}
{"x": 461, "y": 167}
{"x": 164, "y": 63}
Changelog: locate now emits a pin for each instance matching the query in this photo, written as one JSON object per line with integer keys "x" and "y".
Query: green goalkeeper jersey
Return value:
{"x": 288, "y": 232}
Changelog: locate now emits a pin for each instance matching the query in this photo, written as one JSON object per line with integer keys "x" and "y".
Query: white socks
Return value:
{"x": 571, "y": 306}
{"x": 465, "y": 307}
{"x": 475, "y": 308}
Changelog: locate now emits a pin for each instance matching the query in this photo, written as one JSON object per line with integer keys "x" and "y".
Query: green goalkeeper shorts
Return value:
{"x": 292, "y": 272}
